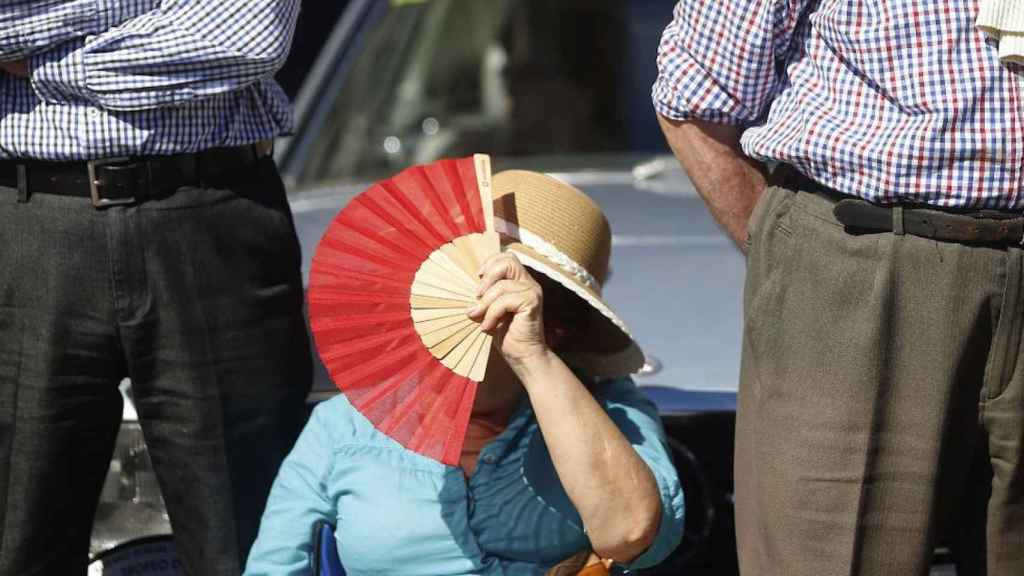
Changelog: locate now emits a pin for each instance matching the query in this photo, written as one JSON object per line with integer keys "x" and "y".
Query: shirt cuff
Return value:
{"x": 58, "y": 75}
{"x": 670, "y": 104}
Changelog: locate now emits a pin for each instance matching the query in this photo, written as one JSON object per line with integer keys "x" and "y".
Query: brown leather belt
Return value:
{"x": 967, "y": 228}
{"x": 963, "y": 226}
{"x": 128, "y": 180}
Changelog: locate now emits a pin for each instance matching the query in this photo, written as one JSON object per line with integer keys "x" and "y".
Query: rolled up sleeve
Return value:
{"x": 183, "y": 51}
{"x": 29, "y": 27}
{"x": 719, "y": 60}
{"x": 58, "y": 75}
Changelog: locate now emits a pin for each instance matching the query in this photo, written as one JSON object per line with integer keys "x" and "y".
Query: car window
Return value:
{"x": 447, "y": 78}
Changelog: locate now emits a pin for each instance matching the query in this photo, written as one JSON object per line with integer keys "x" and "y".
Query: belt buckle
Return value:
{"x": 263, "y": 148}
{"x": 94, "y": 183}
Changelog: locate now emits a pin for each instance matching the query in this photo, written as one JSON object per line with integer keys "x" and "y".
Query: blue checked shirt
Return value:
{"x": 891, "y": 100}
{"x": 140, "y": 77}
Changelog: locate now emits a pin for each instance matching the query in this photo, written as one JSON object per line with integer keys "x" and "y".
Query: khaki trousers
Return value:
{"x": 882, "y": 400}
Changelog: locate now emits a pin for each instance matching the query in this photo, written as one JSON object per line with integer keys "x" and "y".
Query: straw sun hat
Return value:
{"x": 559, "y": 232}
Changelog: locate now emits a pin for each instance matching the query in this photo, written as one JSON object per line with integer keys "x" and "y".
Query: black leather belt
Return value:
{"x": 128, "y": 180}
{"x": 964, "y": 226}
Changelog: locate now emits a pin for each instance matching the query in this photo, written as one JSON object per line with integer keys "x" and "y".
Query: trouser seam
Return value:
{"x": 4, "y": 553}
{"x": 6, "y": 532}
{"x": 1002, "y": 360}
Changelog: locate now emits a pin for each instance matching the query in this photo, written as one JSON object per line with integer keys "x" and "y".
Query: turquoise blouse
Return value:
{"x": 398, "y": 512}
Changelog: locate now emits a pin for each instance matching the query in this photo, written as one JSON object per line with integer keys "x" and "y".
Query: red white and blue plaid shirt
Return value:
{"x": 890, "y": 100}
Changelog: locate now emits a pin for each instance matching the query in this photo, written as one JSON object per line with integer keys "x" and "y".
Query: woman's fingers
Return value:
{"x": 499, "y": 267}
{"x": 508, "y": 303}
{"x": 496, "y": 290}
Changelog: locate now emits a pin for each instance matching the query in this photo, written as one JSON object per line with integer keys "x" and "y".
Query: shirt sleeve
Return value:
{"x": 31, "y": 26}
{"x": 183, "y": 51}
{"x": 719, "y": 60}
{"x": 298, "y": 499}
{"x": 637, "y": 419}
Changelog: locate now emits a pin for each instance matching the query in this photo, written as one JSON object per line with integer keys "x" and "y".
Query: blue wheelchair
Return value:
{"x": 325, "y": 551}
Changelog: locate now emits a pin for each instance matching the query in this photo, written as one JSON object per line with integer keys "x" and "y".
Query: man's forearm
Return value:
{"x": 17, "y": 68}
{"x": 728, "y": 181}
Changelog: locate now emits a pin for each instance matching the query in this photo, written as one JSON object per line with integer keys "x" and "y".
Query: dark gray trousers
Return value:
{"x": 198, "y": 299}
{"x": 881, "y": 405}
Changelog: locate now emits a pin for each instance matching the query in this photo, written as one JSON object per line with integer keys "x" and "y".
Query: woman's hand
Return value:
{"x": 511, "y": 308}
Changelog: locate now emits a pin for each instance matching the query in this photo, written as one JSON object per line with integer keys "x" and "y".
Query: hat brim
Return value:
{"x": 610, "y": 350}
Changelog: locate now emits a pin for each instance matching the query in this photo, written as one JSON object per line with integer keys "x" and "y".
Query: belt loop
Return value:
{"x": 22, "y": 183}
{"x": 897, "y": 220}
{"x": 199, "y": 164}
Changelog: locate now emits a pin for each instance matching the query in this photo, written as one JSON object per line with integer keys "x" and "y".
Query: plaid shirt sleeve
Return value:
{"x": 183, "y": 51}
{"x": 718, "y": 59}
{"x": 31, "y": 26}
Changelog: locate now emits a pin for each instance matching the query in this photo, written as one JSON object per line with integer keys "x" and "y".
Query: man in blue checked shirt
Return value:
{"x": 881, "y": 401}
{"x": 144, "y": 233}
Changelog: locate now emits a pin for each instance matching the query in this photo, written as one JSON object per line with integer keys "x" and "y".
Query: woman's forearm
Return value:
{"x": 610, "y": 485}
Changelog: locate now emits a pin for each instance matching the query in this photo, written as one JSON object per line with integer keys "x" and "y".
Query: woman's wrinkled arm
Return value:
{"x": 610, "y": 485}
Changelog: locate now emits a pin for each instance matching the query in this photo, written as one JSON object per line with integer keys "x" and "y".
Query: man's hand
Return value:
{"x": 728, "y": 181}
{"x": 17, "y": 68}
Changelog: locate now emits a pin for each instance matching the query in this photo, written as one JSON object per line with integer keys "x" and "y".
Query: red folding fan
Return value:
{"x": 388, "y": 291}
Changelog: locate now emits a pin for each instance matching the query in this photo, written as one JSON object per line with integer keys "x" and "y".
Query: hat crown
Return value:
{"x": 559, "y": 232}
{"x": 539, "y": 208}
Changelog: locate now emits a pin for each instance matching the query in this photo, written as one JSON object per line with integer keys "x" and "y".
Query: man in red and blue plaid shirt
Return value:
{"x": 881, "y": 405}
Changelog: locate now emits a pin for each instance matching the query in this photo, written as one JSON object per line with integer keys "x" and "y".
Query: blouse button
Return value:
{"x": 489, "y": 459}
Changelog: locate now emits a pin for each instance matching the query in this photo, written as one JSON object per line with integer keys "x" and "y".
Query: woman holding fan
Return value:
{"x": 562, "y": 453}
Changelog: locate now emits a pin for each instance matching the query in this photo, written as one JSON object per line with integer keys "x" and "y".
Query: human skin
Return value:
{"x": 609, "y": 484}
{"x": 729, "y": 182}
{"x": 17, "y": 68}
